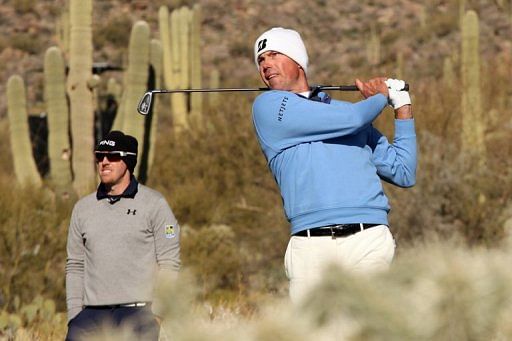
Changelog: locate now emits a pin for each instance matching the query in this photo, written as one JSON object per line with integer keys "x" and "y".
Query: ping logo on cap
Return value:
{"x": 262, "y": 44}
{"x": 109, "y": 142}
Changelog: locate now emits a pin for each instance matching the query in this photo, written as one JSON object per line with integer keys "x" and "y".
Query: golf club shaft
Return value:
{"x": 320, "y": 87}
{"x": 144, "y": 106}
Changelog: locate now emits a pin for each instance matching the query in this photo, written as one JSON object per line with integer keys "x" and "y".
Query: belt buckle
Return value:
{"x": 339, "y": 228}
{"x": 333, "y": 229}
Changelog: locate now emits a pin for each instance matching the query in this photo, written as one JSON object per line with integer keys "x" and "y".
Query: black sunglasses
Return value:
{"x": 111, "y": 156}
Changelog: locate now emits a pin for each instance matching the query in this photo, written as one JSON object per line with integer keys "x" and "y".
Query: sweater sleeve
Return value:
{"x": 166, "y": 233}
{"x": 167, "y": 237}
{"x": 396, "y": 162}
{"x": 283, "y": 119}
{"x": 74, "y": 267}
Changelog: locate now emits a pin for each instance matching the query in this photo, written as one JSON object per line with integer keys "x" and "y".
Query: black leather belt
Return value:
{"x": 340, "y": 230}
{"x": 126, "y": 305}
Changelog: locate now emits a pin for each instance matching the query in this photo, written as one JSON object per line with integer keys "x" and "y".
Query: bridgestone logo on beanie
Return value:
{"x": 285, "y": 41}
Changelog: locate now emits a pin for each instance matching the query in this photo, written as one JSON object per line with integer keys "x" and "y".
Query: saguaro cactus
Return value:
{"x": 471, "y": 106}
{"x": 80, "y": 95}
{"x": 448, "y": 73}
{"x": 373, "y": 47}
{"x": 136, "y": 82}
{"x": 21, "y": 147}
{"x": 183, "y": 46}
{"x": 165, "y": 38}
{"x": 179, "y": 51}
{"x": 196, "y": 99}
{"x": 63, "y": 31}
{"x": 173, "y": 51}
{"x": 213, "y": 97}
{"x": 155, "y": 57}
{"x": 59, "y": 149}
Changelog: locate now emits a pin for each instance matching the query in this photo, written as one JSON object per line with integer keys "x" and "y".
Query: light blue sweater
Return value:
{"x": 328, "y": 160}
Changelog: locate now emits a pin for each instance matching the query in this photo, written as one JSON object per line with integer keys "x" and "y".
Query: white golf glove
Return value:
{"x": 397, "y": 96}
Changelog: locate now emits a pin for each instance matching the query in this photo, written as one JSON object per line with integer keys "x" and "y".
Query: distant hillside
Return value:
{"x": 337, "y": 34}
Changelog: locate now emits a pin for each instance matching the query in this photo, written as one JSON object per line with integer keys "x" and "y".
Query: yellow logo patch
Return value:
{"x": 169, "y": 231}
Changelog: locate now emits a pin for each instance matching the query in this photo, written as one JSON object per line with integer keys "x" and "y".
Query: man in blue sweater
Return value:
{"x": 328, "y": 161}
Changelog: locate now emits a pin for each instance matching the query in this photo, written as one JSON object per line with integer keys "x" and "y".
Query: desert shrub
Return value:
{"x": 113, "y": 32}
{"x": 439, "y": 290}
{"x": 26, "y": 42}
{"x": 34, "y": 231}
{"x": 23, "y": 6}
{"x": 238, "y": 48}
{"x": 215, "y": 257}
{"x": 35, "y": 320}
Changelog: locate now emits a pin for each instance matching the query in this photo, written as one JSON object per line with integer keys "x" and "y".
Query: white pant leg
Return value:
{"x": 305, "y": 260}
{"x": 307, "y": 257}
{"x": 367, "y": 251}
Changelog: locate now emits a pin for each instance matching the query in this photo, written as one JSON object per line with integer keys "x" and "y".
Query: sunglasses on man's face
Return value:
{"x": 111, "y": 156}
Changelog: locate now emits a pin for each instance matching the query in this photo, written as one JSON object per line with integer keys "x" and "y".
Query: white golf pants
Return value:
{"x": 307, "y": 257}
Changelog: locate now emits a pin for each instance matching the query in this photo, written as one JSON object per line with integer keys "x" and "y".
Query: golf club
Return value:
{"x": 144, "y": 106}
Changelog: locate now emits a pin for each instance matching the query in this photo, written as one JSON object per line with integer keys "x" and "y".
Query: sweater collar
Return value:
{"x": 318, "y": 96}
{"x": 129, "y": 192}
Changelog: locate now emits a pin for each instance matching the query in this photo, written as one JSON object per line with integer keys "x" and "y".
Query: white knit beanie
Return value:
{"x": 285, "y": 41}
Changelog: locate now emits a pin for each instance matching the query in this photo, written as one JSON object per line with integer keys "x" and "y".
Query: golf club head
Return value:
{"x": 145, "y": 103}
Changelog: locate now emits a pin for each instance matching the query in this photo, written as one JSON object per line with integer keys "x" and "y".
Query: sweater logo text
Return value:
{"x": 130, "y": 211}
{"x": 282, "y": 109}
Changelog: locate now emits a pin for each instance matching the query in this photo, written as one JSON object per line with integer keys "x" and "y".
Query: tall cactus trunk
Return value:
{"x": 448, "y": 73}
{"x": 373, "y": 47}
{"x": 136, "y": 84}
{"x": 178, "y": 80}
{"x": 81, "y": 99}
{"x": 196, "y": 99}
{"x": 213, "y": 97}
{"x": 165, "y": 39}
{"x": 24, "y": 165}
{"x": 59, "y": 149}
{"x": 63, "y": 32}
{"x": 155, "y": 57}
{"x": 473, "y": 124}
{"x": 168, "y": 26}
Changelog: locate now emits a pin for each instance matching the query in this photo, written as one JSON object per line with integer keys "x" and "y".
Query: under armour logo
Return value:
{"x": 131, "y": 211}
{"x": 262, "y": 44}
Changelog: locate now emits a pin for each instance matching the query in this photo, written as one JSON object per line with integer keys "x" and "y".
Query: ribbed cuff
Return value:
{"x": 405, "y": 127}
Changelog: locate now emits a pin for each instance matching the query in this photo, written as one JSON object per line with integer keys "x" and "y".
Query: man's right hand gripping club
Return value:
{"x": 399, "y": 99}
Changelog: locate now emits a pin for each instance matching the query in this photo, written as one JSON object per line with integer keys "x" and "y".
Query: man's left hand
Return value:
{"x": 372, "y": 87}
